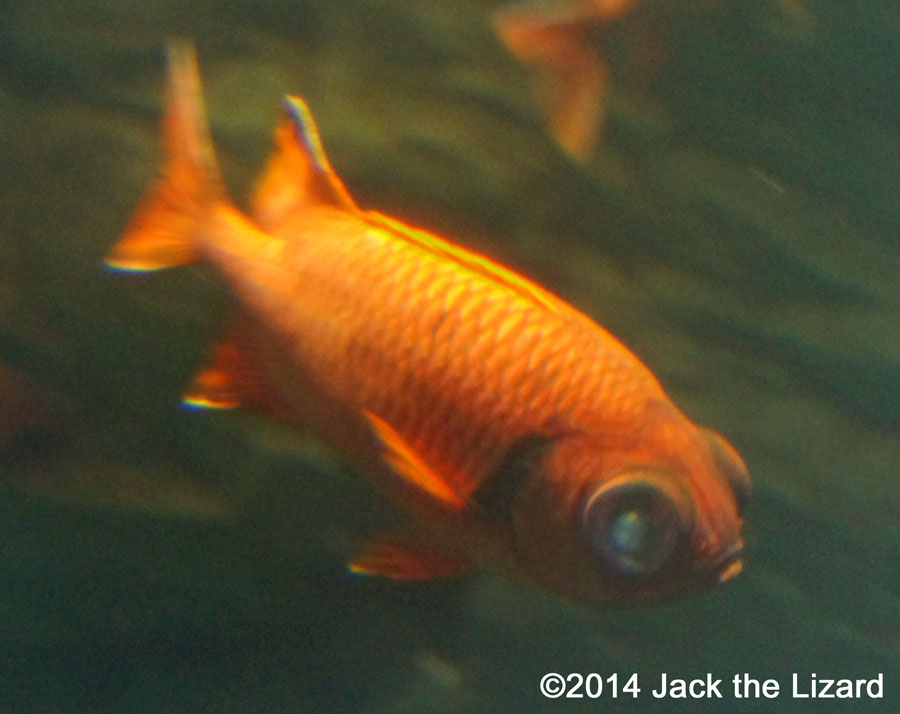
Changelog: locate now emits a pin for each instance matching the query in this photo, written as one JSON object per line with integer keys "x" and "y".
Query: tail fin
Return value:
{"x": 556, "y": 39}
{"x": 164, "y": 228}
{"x": 573, "y": 74}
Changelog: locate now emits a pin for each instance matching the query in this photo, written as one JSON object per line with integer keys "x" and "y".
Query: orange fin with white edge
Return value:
{"x": 229, "y": 380}
{"x": 407, "y": 464}
{"x": 221, "y": 383}
{"x": 163, "y": 230}
{"x": 403, "y": 558}
{"x": 298, "y": 173}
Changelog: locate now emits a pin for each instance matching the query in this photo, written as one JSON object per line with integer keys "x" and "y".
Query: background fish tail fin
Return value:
{"x": 164, "y": 229}
{"x": 572, "y": 76}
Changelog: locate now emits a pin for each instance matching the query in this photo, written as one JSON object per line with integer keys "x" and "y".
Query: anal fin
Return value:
{"x": 229, "y": 379}
{"x": 403, "y": 558}
{"x": 219, "y": 384}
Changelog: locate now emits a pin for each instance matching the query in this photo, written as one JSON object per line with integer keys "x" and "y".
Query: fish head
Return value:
{"x": 633, "y": 526}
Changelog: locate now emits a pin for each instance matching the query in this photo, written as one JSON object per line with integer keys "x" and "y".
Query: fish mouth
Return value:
{"x": 730, "y": 564}
{"x": 731, "y": 570}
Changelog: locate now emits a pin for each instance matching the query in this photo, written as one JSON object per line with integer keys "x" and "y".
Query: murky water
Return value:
{"x": 737, "y": 227}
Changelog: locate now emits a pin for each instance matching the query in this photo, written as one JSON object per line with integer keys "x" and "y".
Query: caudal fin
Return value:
{"x": 557, "y": 39}
{"x": 574, "y": 76}
{"x": 164, "y": 229}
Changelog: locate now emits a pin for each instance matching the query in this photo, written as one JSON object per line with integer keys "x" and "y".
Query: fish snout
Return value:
{"x": 730, "y": 466}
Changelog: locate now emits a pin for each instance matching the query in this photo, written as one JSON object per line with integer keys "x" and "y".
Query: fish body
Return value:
{"x": 519, "y": 434}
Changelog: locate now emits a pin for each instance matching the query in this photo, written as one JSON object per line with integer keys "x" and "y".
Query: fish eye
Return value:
{"x": 633, "y": 525}
{"x": 732, "y": 466}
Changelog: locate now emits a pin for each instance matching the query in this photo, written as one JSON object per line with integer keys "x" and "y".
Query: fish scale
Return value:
{"x": 399, "y": 343}
{"x": 393, "y": 322}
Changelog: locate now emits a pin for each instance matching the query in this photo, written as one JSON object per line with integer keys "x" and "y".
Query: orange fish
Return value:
{"x": 560, "y": 38}
{"x": 557, "y": 38}
{"x": 518, "y": 434}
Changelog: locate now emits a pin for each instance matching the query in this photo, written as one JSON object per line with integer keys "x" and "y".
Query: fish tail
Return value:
{"x": 166, "y": 228}
{"x": 556, "y": 40}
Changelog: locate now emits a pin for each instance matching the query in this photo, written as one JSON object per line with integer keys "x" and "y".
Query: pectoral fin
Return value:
{"x": 404, "y": 558}
{"x": 404, "y": 460}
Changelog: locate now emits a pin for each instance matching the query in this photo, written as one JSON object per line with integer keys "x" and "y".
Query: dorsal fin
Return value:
{"x": 468, "y": 259}
{"x": 298, "y": 173}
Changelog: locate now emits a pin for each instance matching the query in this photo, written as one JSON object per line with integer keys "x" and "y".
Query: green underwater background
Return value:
{"x": 738, "y": 227}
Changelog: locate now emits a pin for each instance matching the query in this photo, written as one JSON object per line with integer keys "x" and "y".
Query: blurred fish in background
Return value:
{"x": 563, "y": 40}
{"x": 556, "y": 38}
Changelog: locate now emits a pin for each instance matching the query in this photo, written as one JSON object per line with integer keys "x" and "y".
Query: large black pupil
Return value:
{"x": 631, "y": 536}
{"x": 633, "y": 527}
